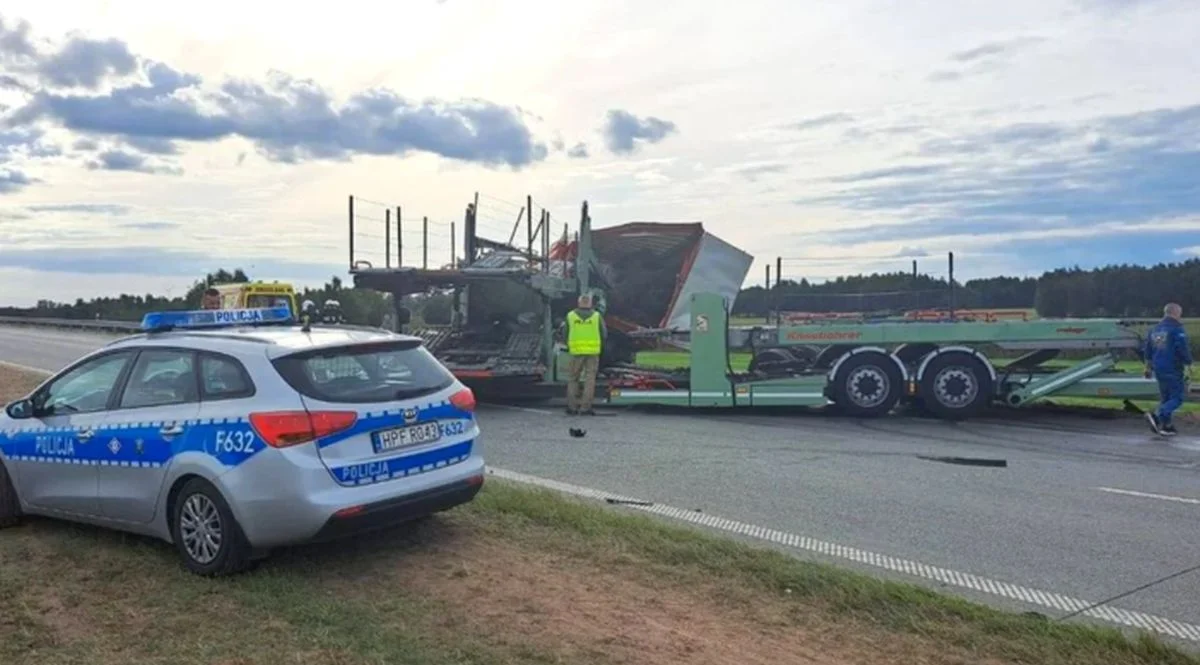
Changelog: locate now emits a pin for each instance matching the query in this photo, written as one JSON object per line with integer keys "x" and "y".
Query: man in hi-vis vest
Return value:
{"x": 585, "y": 339}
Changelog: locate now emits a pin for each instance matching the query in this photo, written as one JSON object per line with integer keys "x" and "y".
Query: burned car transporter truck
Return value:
{"x": 508, "y": 300}
{"x": 674, "y": 284}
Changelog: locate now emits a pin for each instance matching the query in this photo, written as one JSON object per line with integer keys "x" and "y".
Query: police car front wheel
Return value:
{"x": 208, "y": 538}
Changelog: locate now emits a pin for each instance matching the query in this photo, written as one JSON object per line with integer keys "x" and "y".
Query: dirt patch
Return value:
{"x": 547, "y": 600}
{"x": 56, "y": 614}
{"x": 584, "y": 611}
{"x": 16, "y": 383}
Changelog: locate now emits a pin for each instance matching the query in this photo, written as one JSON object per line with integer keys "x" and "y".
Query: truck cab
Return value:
{"x": 256, "y": 295}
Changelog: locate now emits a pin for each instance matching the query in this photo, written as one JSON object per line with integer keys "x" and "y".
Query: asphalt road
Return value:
{"x": 1086, "y": 509}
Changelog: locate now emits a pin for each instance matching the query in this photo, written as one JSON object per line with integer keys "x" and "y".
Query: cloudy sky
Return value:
{"x": 142, "y": 145}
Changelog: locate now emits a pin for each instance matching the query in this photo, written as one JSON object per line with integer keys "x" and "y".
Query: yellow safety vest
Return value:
{"x": 583, "y": 335}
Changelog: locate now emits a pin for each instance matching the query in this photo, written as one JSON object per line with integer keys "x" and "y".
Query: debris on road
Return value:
{"x": 628, "y": 502}
{"x": 965, "y": 461}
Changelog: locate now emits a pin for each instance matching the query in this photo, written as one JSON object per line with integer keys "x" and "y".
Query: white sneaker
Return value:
{"x": 1153, "y": 420}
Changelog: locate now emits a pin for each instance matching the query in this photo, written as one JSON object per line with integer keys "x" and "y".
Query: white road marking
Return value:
{"x": 1147, "y": 495}
{"x": 1149, "y": 622}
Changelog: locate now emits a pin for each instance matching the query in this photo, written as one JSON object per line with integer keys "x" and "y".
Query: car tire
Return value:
{"x": 867, "y": 385}
{"x": 956, "y": 386}
{"x": 200, "y": 510}
{"x": 10, "y": 505}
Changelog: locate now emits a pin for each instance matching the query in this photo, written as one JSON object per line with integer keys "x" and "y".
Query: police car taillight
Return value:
{"x": 280, "y": 429}
{"x": 464, "y": 399}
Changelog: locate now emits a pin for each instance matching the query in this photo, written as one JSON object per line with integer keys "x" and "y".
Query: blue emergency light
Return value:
{"x": 215, "y": 318}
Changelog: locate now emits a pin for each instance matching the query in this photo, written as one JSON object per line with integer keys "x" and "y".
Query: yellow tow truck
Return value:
{"x": 249, "y": 295}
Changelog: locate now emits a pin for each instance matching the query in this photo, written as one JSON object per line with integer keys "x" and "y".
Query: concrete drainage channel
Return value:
{"x": 1067, "y": 605}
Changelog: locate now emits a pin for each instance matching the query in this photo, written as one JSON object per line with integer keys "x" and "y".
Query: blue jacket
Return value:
{"x": 1167, "y": 348}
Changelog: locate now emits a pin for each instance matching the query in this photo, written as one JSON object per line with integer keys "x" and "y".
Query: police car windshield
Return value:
{"x": 376, "y": 373}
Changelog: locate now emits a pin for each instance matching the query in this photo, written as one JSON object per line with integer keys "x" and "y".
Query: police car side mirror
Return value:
{"x": 20, "y": 409}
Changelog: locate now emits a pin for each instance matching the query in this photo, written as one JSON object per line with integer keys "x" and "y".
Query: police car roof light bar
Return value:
{"x": 215, "y": 318}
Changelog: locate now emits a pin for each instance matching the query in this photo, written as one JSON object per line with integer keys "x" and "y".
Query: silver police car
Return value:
{"x": 231, "y": 432}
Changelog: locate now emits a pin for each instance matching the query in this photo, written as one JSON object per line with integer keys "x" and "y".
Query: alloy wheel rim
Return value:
{"x": 200, "y": 528}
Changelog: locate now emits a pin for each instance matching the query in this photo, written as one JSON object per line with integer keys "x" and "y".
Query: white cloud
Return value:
{"x": 771, "y": 100}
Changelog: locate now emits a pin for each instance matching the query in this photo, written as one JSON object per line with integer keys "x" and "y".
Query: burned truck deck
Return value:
{"x": 508, "y": 301}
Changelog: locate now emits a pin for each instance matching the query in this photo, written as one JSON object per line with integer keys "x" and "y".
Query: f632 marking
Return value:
{"x": 235, "y": 441}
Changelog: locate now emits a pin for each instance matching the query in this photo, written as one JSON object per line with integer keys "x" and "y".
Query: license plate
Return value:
{"x": 403, "y": 437}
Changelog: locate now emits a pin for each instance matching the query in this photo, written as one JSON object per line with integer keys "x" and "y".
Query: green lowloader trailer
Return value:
{"x": 868, "y": 368}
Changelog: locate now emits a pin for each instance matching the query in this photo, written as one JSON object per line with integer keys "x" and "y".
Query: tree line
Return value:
{"x": 1128, "y": 291}
{"x": 1122, "y": 291}
{"x": 359, "y": 306}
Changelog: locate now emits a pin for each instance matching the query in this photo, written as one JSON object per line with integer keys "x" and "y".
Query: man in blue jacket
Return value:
{"x": 1168, "y": 357}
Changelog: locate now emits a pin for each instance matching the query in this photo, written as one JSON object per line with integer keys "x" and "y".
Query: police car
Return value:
{"x": 231, "y": 432}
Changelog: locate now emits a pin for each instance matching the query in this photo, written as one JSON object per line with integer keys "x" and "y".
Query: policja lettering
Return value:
{"x": 236, "y": 315}
{"x": 54, "y": 446}
{"x": 368, "y": 471}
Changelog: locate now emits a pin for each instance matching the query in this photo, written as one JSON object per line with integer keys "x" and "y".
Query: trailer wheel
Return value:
{"x": 955, "y": 385}
{"x": 867, "y": 384}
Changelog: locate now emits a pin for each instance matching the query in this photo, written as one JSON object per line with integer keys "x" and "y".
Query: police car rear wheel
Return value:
{"x": 208, "y": 538}
{"x": 10, "y": 507}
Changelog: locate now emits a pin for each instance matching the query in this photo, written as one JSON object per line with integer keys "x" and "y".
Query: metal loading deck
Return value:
{"x": 867, "y": 369}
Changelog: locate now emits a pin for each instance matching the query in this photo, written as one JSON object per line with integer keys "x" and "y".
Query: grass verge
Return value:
{"x": 519, "y": 576}
{"x": 749, "y": 574}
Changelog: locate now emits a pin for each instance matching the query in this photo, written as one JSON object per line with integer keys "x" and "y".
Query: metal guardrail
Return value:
{"x": 99, "y": 325}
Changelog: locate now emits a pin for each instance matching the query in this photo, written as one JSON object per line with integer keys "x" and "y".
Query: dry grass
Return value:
{"x": 15, "y": 383}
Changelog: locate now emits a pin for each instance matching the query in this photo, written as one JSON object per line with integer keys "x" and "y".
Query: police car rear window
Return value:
{"x": 363, "y": 374}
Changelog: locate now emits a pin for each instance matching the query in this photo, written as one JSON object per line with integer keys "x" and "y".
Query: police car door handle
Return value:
{"x": 171, "y": 430}
{"x": 85, "y": 435}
